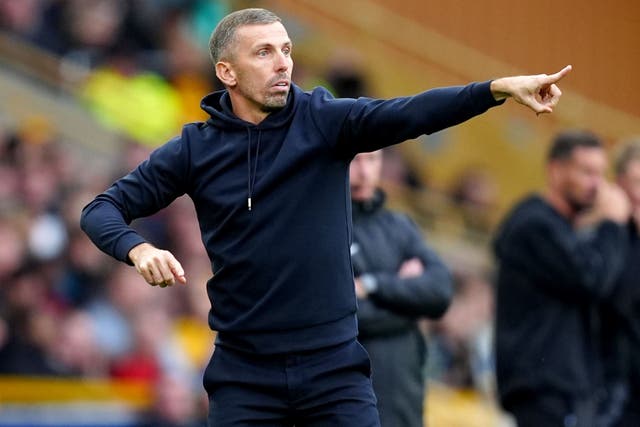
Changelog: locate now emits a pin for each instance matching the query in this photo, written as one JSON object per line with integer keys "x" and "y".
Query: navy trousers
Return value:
{"x": 327, "y": 387}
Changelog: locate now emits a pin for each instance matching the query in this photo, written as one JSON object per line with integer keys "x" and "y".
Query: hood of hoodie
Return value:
{"x": 220, "y": 109}
{"x": 218, "y": 106}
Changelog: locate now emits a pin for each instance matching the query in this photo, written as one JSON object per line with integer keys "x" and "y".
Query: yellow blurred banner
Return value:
{"x": 25, "y": 390}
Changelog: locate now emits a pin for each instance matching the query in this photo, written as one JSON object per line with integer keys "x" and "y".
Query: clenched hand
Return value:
{"x": 157, "y": 266}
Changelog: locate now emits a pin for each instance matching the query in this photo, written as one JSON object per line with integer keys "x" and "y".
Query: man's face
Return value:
{"x": 629, "y": 180}
{"x": 364, "y": 175}
{"x": 260, "y": 57}
{"x": 578, "y": 178}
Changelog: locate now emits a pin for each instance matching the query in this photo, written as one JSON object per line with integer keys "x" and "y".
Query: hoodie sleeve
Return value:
{"x": 153, "y": 185}
{"x": 365, "y": 124}
{"x": 428, "y": 294}
{"x": 560, "y": 263}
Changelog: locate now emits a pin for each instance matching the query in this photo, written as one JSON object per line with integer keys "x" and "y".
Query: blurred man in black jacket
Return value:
{"x": 399, "y": 279}
{"x": 620, "y": 315}
{"x": 550, "y": 283}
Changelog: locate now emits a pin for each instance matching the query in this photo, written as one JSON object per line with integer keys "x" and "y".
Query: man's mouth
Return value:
{"x": 281, "y": 81}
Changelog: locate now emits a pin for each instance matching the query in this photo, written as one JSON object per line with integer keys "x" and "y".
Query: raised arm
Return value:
{"x": 365, "y": 124}
{"x": 370, "y": 124}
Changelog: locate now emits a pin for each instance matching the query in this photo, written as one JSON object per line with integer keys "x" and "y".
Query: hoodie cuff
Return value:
{"x": 125, "y": 244}
{"x": 482, "y": 93}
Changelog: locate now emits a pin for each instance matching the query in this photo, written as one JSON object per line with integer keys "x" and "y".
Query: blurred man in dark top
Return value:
{"x": 550, "y": 283}
{"x": 620, "y": 315}
{"x": 398, "y": 280}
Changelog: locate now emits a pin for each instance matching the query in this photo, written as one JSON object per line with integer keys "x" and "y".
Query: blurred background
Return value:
{"x": 89, "y": 87}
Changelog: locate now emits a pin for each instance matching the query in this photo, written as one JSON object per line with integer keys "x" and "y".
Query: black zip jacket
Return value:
{"x": 549, "y": 285}
{"x": 627, "y": 303}
{"x": 620, "y": 327}
{"x": 382, "y": 241}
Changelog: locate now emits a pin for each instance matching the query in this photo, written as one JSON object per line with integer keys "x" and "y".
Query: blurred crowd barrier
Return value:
{"x": 71, "y": 402}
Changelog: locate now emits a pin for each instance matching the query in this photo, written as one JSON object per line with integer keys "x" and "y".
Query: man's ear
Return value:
{"x": 226, "y": 74}
{"x": 554, "y": 171}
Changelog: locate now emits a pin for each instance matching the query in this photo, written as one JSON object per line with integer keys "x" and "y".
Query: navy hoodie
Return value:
{"x": 282, "y": 279}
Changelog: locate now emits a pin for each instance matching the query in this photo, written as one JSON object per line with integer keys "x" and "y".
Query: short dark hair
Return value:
{"x": 629, "y": 152}
{"x": 566, "y": 142}
{"x": 224, "y": 33}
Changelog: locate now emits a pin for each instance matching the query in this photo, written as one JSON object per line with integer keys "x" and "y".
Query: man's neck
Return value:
{"x": 560, "y": 204}
{"x": 246, "y": 110}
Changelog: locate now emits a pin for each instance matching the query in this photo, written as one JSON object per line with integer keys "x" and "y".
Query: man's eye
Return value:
{"x": 262, "y": 53}
{"x": 286, "y": 51}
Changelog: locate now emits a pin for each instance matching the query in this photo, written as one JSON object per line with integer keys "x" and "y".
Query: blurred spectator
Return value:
{"x": 186, "y": 68}
{"x": 181, "y": 220}
{"x": 461, "y": 342}
{"x": 157, "y": 361}
{"x": 113, "y": 310}
{"x": 398, "y": 279}
{"x": 620, "y": 316}
{"x": 85, "y": 272}
{"x": 22, "y": 18}
{"x": 9, "y": 175}
{"x": 93, "y": 25}
{"x": 36, "y": 160}
{"x": 61, "y": 311}
{"x": 12, "y": 250}
{"x": 175, "y": 405}
{"x": 191, "y": 323}
{"x": 345, "y": 75}
{"x": 131, "y": 155}
{"x": 74, "y": 349}
{"x": 85, "y": 31}
{"x": 140, "y": 362}
{"x": 475, "y": 194}
{"x": 396, "y": 171}
{"x": 550, "y": 282}
{"x": 148, "y": 53}
{"x": 31, "y": 324}
{"x": 9, "y": 185}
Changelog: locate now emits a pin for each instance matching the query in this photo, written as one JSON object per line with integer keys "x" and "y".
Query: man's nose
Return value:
{"x": 281, "y": 62}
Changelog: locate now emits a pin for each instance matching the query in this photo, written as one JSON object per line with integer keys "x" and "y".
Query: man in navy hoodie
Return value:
{"x": 268, "y": 175}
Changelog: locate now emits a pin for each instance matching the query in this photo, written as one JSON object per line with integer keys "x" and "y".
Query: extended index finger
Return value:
{"x": 554, "y": 78}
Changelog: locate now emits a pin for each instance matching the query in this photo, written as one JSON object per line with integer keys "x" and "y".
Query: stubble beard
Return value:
{"x": 579, "y": 206}
{"x": 275, "y": 102}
